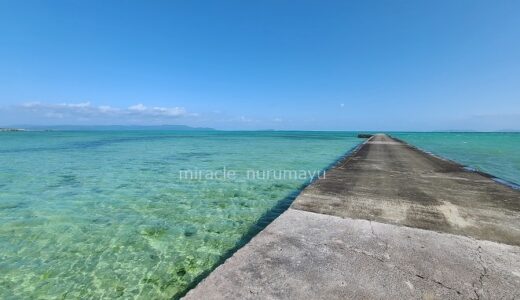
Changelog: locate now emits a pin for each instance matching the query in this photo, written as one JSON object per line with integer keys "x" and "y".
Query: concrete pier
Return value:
{"x": 388, "y": 221}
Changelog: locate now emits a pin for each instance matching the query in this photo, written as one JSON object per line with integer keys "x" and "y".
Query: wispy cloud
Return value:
{"x": 158, "y": 111}
{"x": 87, "y": 110}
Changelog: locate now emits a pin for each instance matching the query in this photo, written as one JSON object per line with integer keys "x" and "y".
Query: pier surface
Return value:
{"x": 392, "y": 182}
{"x": 388, "y": 221}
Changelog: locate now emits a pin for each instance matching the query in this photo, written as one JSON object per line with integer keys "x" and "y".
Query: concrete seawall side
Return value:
{"x": 389, "y": 221}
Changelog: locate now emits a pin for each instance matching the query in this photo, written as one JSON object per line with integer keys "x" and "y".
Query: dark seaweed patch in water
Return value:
{"x": 196, "y": 154}
{"x": 187, "y": 156}
{"x": 16, "y": 205}
{"x": 153, "y": 163}
{"x": 68, "y": 179}
{"x": 175, "y": 157}
{"x": 244, "y": 204}
{"x": 69, "y": 194}
{"x": 181, "y": 272}
{"x": 96, "y": 190}
{"x": 156, "y": 230}
{"x": 102, "y": 221}
{"x": 120, "y": 291}
{"x": 190, "y": 231}
{"x": 123, "y": 185}
{"x": 154, "y": 257}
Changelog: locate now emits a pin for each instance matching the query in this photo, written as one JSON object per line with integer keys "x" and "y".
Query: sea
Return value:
{"x": 147, "y": 214}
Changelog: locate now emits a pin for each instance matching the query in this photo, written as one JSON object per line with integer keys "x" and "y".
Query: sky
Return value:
{"x": 288, "y": 65}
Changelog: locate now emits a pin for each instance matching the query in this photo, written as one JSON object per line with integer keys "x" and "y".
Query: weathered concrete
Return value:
{"x": 391, "y": 182}
{"x": 304, "y": 255}
{"x": 326, "y": 246}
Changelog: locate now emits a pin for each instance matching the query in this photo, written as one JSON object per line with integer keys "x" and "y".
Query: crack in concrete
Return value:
{"x": 372, "y": 255}
{"x": 480, "y": 289}
{"x": 438, "y": 282}
{"x": 392, "y": 266}
{"x": 382, "y": 256}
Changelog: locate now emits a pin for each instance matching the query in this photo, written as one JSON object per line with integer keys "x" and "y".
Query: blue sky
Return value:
{"x": 311, "y": 65}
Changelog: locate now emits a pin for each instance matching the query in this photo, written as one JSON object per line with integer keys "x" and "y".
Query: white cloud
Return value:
{"x": 158, "y": 111}
{"x": 137, "y": 107}
{"x": 76, "y": 105}
{"x": 87, "y": 110}
{"x": 168, "y": 111}
{"x": 108, "y": 109}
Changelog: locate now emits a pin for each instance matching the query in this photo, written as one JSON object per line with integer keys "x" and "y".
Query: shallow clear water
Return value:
{"x": 494, "y": 153}
{"x": 106, "y": 214}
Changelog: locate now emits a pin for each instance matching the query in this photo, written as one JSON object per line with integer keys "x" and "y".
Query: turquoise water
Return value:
{"x": 106, "y": 214}
{"x": 494, "y": 153}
